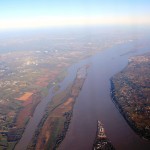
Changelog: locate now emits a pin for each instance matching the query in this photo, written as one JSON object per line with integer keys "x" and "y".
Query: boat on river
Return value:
{"x": 101, "y": 141}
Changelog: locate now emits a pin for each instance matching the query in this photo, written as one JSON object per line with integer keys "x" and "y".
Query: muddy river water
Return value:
{"x": 94, "y": 103}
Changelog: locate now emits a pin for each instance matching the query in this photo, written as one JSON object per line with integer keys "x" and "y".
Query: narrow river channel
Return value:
{"x": 94, "y": 103}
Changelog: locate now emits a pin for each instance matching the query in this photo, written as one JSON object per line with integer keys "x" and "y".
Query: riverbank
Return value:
{"x": 119, "y": 107}
{"x": 14, "y": 134}
{"x": 55, "y": 123}
{"x": 130, "y": 93}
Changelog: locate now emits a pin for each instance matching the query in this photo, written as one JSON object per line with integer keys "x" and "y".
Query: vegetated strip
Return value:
{"x": 55, "y": 123}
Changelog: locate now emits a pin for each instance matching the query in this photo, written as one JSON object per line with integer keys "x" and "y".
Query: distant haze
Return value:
{"x": 50, "y": 13}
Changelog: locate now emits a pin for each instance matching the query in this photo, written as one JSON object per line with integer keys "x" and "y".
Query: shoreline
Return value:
{"x": 124, "y": 114}
{"x": 72, "y": 93}
{"x": 101, "y": 141}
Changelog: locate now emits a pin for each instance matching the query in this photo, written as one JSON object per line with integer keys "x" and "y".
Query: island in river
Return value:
{"x": 32, "y": 65}
{"x": 54, "y": 125}
{"x": 130, "y": 90}
{"x": 101, "y": 140}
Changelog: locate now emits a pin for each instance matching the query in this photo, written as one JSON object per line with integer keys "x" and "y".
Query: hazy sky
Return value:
{"x": 45, "y": 13}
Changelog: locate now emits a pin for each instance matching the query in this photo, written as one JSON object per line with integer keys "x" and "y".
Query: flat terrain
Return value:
{"x": 31, "y": 64}
{"x": 25, "y": 81}
{"x": 55, "y": 123}
{"x": 131, "y": 93}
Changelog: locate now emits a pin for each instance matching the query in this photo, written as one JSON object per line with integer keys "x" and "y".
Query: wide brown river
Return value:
{"x": 94, "y": 103}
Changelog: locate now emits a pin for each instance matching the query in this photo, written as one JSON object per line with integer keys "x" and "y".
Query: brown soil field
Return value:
{"x": 47, "y": 133}
{"x": 44, "y": 80}
{"x": 70, "y": 100}
{"x": 24, "y": 114}
{"x": 25, "y": 96}
{"x": 27, "y": 110}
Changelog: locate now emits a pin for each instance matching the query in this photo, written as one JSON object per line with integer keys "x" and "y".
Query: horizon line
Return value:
{"x": 48, "y": 22}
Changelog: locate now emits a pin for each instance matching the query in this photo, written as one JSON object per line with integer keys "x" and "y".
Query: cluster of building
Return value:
{"x": 101, "y": 140}
{"x": 130, "y": 90}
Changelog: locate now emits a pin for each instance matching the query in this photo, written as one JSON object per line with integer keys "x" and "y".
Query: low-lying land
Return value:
{"x": 52, "y": 129}
{"x": 30, "y": 66}
{"x": 130, "y": 90}
{"x": 25, "y": 80}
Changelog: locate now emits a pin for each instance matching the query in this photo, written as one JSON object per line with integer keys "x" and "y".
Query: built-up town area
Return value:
{"x": 130, "y": 90}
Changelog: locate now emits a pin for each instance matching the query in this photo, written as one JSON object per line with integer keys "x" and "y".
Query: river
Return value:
{"x": 94, "y": 103}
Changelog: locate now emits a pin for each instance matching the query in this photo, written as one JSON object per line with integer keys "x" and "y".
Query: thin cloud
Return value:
{"x": 51, "y": 21}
